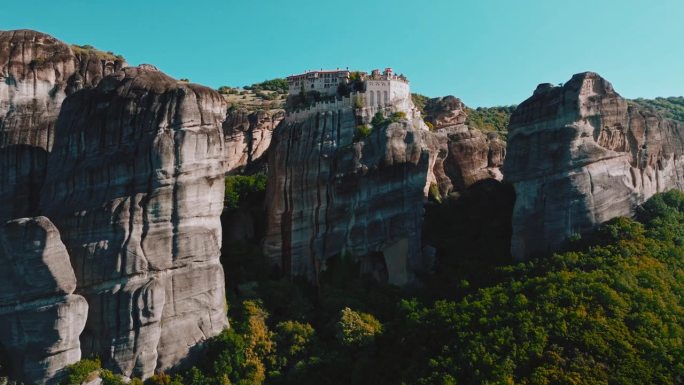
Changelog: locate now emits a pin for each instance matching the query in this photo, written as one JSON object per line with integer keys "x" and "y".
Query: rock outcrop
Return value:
{"x": 37, "y": 72}
{"x": 332, "y": 192}
{"x": 579, "y": 155}
{"x": 135, "y": 186}
{"x": 40, "y": 316}
{"x": 248, "y": 135}
{"x": 468, "y": 154}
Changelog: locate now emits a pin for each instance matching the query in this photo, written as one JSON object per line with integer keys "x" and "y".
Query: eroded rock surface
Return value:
{"x": 248, "y": 135}
{"x": 40, "y": 317}
{"x": 37, "y": 72}
{"x": 332, "y": 193}
{"x": 579, "y": 155}
{"x": 468, "y": 155}
{"x": 135, "y": 185}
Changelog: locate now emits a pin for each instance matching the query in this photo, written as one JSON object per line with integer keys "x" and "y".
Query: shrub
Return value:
{"x": 378, "y": 119}
{"x": 363, "y": 131}
{"x": 429, "y": 125}
{"x": 82, "y": 371}
{"x": 184, "y": 80}
{"x": 109, "y": 378}
{"x": 241, "y": 188}
{"x": 356, "y": 329}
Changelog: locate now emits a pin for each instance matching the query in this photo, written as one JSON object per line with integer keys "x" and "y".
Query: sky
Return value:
{"x": 486, "y": 52}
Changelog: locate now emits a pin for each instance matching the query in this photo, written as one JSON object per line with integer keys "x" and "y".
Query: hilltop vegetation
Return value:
{"x": 672, "y": 107}
{"x": 89, "y": 50}
{"x": 490, "y": 118}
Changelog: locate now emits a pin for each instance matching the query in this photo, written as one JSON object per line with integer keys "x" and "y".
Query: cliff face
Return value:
{"x": 248, "y": 135}
{"x": 579, "y": 155}
{"x": 135, "y": 186}
{"x": 40, "y": 316}
{"x": 330, "y": 194}
{"x": 469, "y": 155}
{"x": 37, "y": 72}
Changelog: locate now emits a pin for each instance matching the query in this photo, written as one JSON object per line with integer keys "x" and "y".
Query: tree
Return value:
{"x": 357, "y": 329}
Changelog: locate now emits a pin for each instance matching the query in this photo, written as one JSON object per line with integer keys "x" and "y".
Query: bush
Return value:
{"x": 378, "y": 120}
{"x": 82, "y": 371}
{"x": 363, "y": 131}
{"x": 242, "y": 188}
{"x": 357, "y": 329}
{"x": 109, "y": 378}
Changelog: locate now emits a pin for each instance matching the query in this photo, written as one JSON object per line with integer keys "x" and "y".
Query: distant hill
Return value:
{"x": 672, "y": 107}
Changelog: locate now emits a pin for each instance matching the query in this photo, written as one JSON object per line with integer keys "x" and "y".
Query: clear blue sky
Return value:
{"x": 487, "y": 52}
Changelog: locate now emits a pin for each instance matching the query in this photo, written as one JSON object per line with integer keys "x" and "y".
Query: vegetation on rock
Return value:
{"x": 671, "y": 108}
{"x": 490, "y": 118}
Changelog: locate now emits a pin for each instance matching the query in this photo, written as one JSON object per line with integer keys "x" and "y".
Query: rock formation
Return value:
{"x": 40, "y": 316}
{"x": 248, "y": 135}
{"x": 37, "y": 72}
{"x": 331, "y": 192}
{"x": 579, "y": 155}
{"x": 470, "y": 155}
{"x": 135, "y": 186}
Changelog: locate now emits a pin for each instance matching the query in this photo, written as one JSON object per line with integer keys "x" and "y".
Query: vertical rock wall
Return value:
{"x": 579, "y": 155}
{"x": 135, "y": 185}
{"x": 333, "y": 193}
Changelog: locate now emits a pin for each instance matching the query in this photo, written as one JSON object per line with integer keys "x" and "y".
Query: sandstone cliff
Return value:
{"x": 37, "y": 72}
{"x": 469, "y": 155}
{"x": 579, "y": 155}
{"x": 135, "y": 186}
{"x": 331, "y": 192}
{"x": 40, "y": 316}
{"x": 248, "y": 135}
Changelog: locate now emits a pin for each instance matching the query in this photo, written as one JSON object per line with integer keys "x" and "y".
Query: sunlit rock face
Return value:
{"x": 37, "y": 72}
{"x": 248, "y": 135}
{"x": 135, "y": 186}
{"x": 470, "y": 155}
{"x": 331, "y": 193}
{"x": 579, "y": 155}
{"x": 40, "y": 316}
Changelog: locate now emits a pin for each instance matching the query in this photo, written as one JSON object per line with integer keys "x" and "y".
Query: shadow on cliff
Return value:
{"x": 471, "y": 232}
{"x": 21, "y": 180}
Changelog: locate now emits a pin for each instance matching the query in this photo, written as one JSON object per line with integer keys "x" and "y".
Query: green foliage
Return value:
{"x": 672, "y": 107}
{"x": 419, "y": 101}
{"x": 83, "y": 370}
{"x": 378, "y": 120}
{"x": 429, "y": 125}
{"x": 363, "y": 131}
{"x": 89, "y": 50}
{"x": 225, "y": 90}
{"x": 241, "y": 188}
{"x": 136, "y": 381}
{"x": 277, "y": 84}
{"x": 490, "y": 118}
{"x": 293, "y": 338}
{"x": 357, "y": 329}
{"x": 109, "y": 378}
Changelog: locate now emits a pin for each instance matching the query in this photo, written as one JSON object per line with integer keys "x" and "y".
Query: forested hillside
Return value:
{"x": 608, "y": 310}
